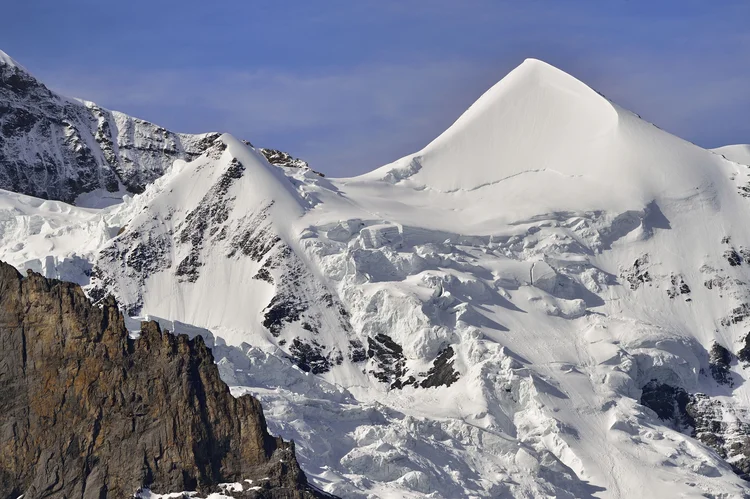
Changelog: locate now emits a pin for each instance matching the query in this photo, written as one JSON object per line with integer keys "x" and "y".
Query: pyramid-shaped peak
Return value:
{"x": 530, "y": 119}
{"x": 544, "y": 72}
{"x": 532, "y": 73}
{"x": 531, "y": 63}
{"x": 543, "y": 91}
{"x": 539, "y": 128}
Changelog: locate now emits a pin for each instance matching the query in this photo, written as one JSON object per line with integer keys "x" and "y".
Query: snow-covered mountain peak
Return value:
{"x": 542, "y": 141}
{"x": 499, "y": 135}
{"x": 533, "y": 76}
{"x": 535, "y": 101}
{"x": 265, "y": 179}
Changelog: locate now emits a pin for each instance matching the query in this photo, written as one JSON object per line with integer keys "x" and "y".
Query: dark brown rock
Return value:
{"x": 719, "y": 360}
{"x": 88, "y": 412}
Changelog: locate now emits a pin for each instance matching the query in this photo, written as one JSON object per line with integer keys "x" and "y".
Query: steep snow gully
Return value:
{"x": 549, "y": 299}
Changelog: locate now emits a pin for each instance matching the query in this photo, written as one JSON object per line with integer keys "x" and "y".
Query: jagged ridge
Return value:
{"x": 89, "y": 412}
{"x": 53, "y": 147}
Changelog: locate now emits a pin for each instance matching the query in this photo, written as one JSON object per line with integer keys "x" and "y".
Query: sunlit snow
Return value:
{"x": 545, "y": 237}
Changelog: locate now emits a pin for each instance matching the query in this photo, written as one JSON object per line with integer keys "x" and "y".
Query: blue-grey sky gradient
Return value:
{"x": 351, "y": 85}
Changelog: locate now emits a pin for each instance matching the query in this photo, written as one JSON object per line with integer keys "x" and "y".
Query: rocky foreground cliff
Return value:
{"x": 89, "y": 412}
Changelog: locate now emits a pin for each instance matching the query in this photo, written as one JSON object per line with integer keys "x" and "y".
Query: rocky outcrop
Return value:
{"x": 281, "y": 158}
{"x": 719, "y": 360}
{"x": 744, "y": 353}
{"x": 388, "y": 357}
{"x": 90, "y": 412}
{"x": 442, "y": 372}
{"x": 669, "y": 403}
{"x": 638, "y": 274}
{"x": 733, "y": 258}
{"x": 717, "y": 426}
{"x": 711, "y": 421}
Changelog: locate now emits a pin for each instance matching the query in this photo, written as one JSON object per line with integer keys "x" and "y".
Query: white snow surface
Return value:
{"x": 739, "y": 153}
{"x": 511, "y": 238}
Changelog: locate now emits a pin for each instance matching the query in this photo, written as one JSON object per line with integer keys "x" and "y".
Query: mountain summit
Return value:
{"x": 499, "y": 135}
{"x": 540, "y": 132}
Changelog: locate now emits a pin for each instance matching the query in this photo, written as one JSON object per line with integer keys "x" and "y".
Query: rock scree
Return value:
{"x": 89, "y": 412}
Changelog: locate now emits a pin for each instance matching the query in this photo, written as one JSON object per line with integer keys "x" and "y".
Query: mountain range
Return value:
{"x": 550, "y": 299}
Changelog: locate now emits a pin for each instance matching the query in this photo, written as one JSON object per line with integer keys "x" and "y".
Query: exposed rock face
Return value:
{"x": 714, "y": 423}
{"x": 390, "y": 360}
{"x": 717, "y": 426}
{"x": 669, "y": 403}
{"x": 309, "y": 357}
{"x": 53, "y": 147}
{"x": 744, "y": 353}
{"x": 442, "y": 371}
{"x": 281, "y": 158}
{"x": 733, "y": 258}
{"x": 638, "y": 274}
{"x": 719, "y": 360}
{"x": 678, "y": 287}
{"x": 89, "y": 412}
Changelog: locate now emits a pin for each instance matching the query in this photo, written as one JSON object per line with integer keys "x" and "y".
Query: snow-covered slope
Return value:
{"x": 209, "y": 245}
{"x": 739, "y": 153}
{"x": 549, "y": 299}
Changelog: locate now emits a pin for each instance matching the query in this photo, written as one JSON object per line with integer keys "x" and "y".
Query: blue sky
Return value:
{"x": 351, "y": 85}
